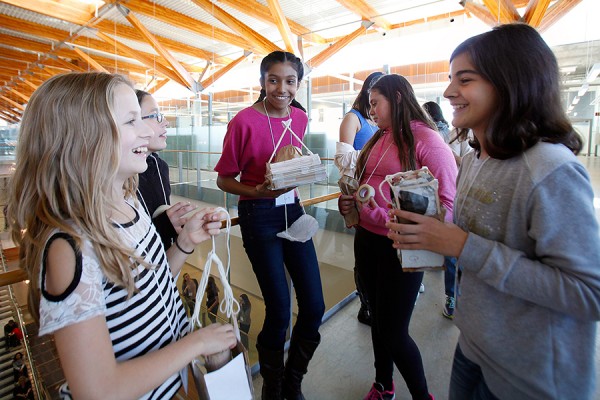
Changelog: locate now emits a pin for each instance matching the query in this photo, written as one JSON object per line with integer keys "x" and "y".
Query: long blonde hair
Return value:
{"x": 68, "y": 154}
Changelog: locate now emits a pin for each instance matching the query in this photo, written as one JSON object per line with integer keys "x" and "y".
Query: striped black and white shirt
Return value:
{"x": 149, "y": 320}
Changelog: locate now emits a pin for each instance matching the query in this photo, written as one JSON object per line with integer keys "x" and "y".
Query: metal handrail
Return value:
{"x": 19, "y": 275}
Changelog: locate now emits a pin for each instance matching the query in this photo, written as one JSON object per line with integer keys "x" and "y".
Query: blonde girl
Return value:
{"x": 101, "y": 281}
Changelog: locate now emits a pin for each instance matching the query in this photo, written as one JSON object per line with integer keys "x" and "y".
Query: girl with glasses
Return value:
{"x": 154, "y": 191}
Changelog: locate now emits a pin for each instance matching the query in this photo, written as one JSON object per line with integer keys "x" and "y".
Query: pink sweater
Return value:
{"x": 430, "y": 151}
{"x": 248, "y": 144}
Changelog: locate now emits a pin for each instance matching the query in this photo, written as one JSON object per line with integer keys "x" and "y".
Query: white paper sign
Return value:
{"x": 229, "y": 382}
{"x": 421, "y": 258}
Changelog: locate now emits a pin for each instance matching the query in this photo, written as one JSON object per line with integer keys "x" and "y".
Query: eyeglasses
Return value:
{"x": 158, "y": 116}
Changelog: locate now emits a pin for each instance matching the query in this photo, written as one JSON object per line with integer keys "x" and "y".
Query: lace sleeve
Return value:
{"x": 82, "y": 300}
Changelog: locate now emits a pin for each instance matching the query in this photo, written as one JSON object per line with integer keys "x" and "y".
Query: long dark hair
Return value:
{"x": 404, "y": 108}
{"x": 246, "y": 301}
{"x": 521, "y": 67}
{"x": 435, "y": 112}
{"x": 278, "y": 57}
{"x": 361, "y": 103}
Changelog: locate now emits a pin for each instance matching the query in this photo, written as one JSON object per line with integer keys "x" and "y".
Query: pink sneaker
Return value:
{"x": 377, "y": 392}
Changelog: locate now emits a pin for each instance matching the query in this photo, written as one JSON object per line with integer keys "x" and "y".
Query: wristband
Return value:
{"x": 182, "y": 250}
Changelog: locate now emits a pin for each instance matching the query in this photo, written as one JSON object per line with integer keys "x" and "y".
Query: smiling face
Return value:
{"x": 281, "y": 84}
{"x": 133, "y": 132}
{"x": 381, "y": 110}
{"x": 472, "y": 97}
{"x": 158, "y": 141}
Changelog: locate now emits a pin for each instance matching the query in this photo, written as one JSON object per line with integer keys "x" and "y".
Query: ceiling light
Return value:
{"x": 575, "y": 100}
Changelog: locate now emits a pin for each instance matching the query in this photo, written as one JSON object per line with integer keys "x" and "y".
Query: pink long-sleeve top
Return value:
{"x": 248, "y": 143}
{"x": 430, "y": 151}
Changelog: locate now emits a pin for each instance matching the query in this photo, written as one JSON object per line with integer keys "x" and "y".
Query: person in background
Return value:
{"x": 9, "y": 334}
{"x": 100, "y": 279}
{"x": 245, "y": 318}
{"x": 189, "y": 288}
{"x": 212, "y": 299}
{"x": 19, "y": 367}
{"x": 406, "y": 140}
{"x": 23, "y": 389}
{"x": 525, "y": 231}
{"x": 249, "y": 142}
{"x": 356, "y": 128}
{"x": 154, "y": 190}
{"x": 435, "y": 112}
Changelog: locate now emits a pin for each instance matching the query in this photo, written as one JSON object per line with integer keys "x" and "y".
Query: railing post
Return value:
{"x": 180, "y": 165}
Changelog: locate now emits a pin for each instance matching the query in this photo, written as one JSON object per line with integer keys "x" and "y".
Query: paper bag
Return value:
{"x": 416, "y": 191}
{"x": 231, "y": 381}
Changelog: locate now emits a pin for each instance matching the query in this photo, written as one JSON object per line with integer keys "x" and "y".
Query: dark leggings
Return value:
{"x": 391, "y": 294}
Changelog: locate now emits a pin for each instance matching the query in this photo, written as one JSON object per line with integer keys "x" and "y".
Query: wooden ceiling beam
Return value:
{"x": 556, "y": 12}
{"x": 182, "y": 73}
{"x": 21, "y": 95}
{"x": 150, "y": 63}
{"x": 366, "y": 12}
{"x": 263, "y": 44}
{"x": 480, "y": 12}
{"x": 107, "y": 27}
{"x": 89, "y": 59}
{"x": 184, "y": 22}
{"x": 130, "y": 33}
{"x": 326, "y": 54}
{"x": 14, "y": 103}
{"x": 504, "y": 11}
{"x": 67, "y": 10}
{"x": 5, "y": 115}
{"x": 256, "y": 10}
{"x": 534, "y": 13}
{"x": 218, "y": 74}
{"x": 283, "y": 27}
{"x": 159, "y": 85}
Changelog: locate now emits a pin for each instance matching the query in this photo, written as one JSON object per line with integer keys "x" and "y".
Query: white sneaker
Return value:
{"x": 422, "y": 288}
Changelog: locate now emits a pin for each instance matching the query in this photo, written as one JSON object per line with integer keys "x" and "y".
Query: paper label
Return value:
{"x": 286, "y": 198}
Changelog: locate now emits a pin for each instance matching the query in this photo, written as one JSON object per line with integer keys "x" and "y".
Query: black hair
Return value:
{"x": 140, "y": 95}
{"x": 404, "y": 108}
{"x": 524, "y": 72}
{"x": 435, "y": 111}
{"x": 361, "y": 103}
{"x": 278, "y": 57}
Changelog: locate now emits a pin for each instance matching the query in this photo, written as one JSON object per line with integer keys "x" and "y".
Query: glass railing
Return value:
{"x": 192, "y": 181}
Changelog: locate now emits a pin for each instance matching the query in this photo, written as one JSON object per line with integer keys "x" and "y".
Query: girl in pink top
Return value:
{"x": 250, "y": 140}
{"x": 406, "y": 140}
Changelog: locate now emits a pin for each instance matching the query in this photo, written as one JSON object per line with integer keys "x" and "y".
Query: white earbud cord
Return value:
{"x": 229, "y": 305}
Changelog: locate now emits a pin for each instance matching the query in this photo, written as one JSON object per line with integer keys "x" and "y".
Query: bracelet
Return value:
{"x": 182, "y": 250}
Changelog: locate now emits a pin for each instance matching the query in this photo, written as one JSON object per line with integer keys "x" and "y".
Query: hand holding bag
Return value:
{"x": 416, "y": 191}
{"x": 225, "y": 375}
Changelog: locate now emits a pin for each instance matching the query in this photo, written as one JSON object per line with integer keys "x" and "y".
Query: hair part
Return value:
{"x": 526, "y": 79}
{"x": 67, "y": 159}
{"x": 404, "y": 108}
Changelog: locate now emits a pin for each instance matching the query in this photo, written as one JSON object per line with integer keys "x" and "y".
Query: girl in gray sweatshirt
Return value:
{"x": 525, "y": 230}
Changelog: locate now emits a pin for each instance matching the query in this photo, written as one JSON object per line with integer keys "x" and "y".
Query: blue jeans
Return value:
{"x": 260, "y": 221}
{"x": 466, "y": 380}
{"x": 449, "y": 275}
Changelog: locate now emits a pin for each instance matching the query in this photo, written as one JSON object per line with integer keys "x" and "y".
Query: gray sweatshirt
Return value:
{"x": 530, "y": 290}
